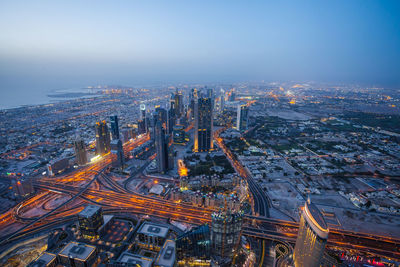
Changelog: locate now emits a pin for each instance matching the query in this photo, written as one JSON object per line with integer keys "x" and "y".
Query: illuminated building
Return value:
{"x": 225, "y": 233}
{"x": 178, "y": 135}
{"x": 116, "y": 149}
{"x": 178, "y": 103}
{"x": 159, "y": 115}
{"x": 203, "y": 125}
{"x": 166, "y": 257}
{"x": 114, "y": 127}
{"x": 194, "y": 246}
{"x": 311, "y": 238}
{"x": 90, "y": 220}
{"x": 77, "y": 255}
{"x": 143, "y": 112}
{"x": 80, "y": 152}
{"x": 45, "y": 259}
{"x": 102, "y": 138}
{"x": 151, "y": 236}
{"x": 222, "y": 100}
{"x": 142, "y": 129}
{"x": 162, "y": 149}
{"x": 22, "y": 187}
{"x": 129, "y": 259}
{"x": 242, "y": 118}
{"x": 57, "y": 166}
{"x": 192, "y": 99}
{"x": 232, "y": 95}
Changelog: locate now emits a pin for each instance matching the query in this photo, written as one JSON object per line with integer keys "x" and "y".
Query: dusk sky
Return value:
{"x": 58, "y": 44}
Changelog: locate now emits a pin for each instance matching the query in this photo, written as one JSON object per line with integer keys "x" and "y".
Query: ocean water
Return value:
{"x": 27, "y": 96}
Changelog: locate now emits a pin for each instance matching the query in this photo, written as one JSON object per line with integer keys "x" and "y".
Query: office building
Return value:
{"x": 311, "y": 238}
{"x": 143, "y": 111}
{"x": 142, "y": 129}
{"x": 114, "y": 127}
{"x": 22, "y": 187}
{"x": 225, "y": 233}
{"x": 232, "y": 95}
{"x": 178, "y": 103}
{"x": 57, "y": 166}
{"x": 162, "y": 149}
{"x": 192, "y": 100}
{"x": 152, "y": 236}
{"x": 222, "y": 100}
{"x": 102, "y": 138}
{"x": 242, "y": 118}
{"x": 166, "y": 257}
{"x": 194, "y": 246}
{"x": 203, "y": 139}
{"x": 178, "y": 135}
{"x": 80, "y": 152}
{"x": 46, "y": 259}
{"x": 117, "y": 150}
{"x": 128, "y": 259}
{"x": 76, "y": 254}
{"x": 90, "y": 220}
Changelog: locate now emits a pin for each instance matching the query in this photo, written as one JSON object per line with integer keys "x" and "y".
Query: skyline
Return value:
{"x": 51, "y": 45}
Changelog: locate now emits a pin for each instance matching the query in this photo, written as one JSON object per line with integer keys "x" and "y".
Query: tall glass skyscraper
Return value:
{"x": 102, "y": 138}
{"x": 203, "y": 139}
{"x": 242, "y": 118}
{"x": 312, "y": 237}
{"x": 114, "y": 127}
{"x": 80, "y": 152}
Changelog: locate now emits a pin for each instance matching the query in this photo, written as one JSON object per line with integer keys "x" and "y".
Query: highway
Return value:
{"x": 90, "y": 184}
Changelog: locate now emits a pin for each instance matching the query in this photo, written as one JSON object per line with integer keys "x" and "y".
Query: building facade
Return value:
{"x": 203, "y": 135}
{"x": 311, "y": 238}
{"x": 102, "y": 138}
{"x": 114, "y": 127}
{"x": 242, "y": 118}
{"x": 80, "y": 152}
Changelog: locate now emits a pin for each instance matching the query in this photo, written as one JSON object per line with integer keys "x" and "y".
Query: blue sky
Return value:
{"x": 73, "y": 43}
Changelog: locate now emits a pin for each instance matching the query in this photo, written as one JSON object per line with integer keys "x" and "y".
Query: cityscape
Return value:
{"x": 200, "y": 172}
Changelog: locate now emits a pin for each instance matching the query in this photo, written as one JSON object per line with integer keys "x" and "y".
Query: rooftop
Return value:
{"x": 153, "y": 229}
{"x": 89, "y": 211}
{"x": 166, "y": 257}
{"x": 133, "y": 259}
{"x": 77, "y": 250}
{"x": 43, "y": 260}
{"x": 315, "y": 219}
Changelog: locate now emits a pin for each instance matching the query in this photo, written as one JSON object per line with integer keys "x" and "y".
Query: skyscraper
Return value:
{"x": 161, "y": 142}
{"x": 203, "y": 124}
{"x": 142, "y": 111}
{"x": 222, "y": 100}
{"x": 194, "y": 246}
{"x": 116, "y": 149}
{"x": 242, "y": 118}
{"x": 178, "y": 103}
{"x": 80, "y": 152}
{"x": 311, "y": 238}
{"x": 114, "y": 127}
{"x": 102, "y": 138}
{"x": 90, "y": 220}
{"x": 225, "y": 233}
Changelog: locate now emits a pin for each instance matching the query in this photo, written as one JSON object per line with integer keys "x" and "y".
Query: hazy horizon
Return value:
{"x": 48, "y": 45}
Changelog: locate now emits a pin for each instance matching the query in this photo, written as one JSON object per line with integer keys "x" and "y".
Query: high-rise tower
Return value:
{"x": 311, "y": 238}
{"x": 226, "y": 227}
{"x": 203, "y": 125}
{"x": 114, "y": 127}
{"x": 242, "y": 118}
{"x": 80, "y": 152}
{"x": 161, "y": 143}
{"x": 102, "y": 138}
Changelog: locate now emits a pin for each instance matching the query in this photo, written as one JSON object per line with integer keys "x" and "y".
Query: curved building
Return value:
{"x": 312, "y": 237}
